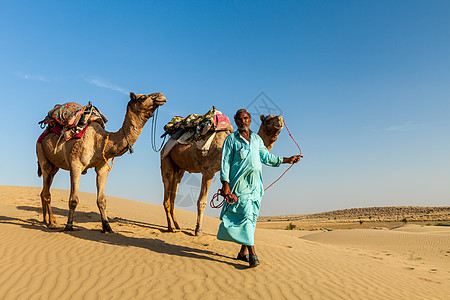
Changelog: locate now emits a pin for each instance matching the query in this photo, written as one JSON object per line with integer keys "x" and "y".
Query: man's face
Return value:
{"x": 243, "y": 121}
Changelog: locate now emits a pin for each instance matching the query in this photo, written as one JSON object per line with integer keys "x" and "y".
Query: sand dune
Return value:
{"x": 142, "y": 261}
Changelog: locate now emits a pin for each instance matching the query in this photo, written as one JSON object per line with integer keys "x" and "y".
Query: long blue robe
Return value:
{"x": 241, "y": 167}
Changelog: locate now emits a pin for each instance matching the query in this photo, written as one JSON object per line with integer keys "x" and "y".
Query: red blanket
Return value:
{"x": 73, "y": 117}
{"x": 58, "y": 129}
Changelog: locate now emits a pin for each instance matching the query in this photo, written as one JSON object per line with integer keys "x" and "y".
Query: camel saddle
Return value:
{"x": 194, "y": 129}
{"x": 200, "y": 125}
{"x": 71, "y": 120}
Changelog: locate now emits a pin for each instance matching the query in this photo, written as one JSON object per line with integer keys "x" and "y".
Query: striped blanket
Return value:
{"x": 73, "y": 118}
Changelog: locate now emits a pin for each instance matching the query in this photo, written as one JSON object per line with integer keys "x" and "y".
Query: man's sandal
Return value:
{"x": 245, "y": 257}
{"x": 253, "y": 261}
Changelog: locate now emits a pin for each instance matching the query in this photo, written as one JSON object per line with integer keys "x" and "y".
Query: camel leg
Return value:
{"x": 202, "y": 201}
{"x": 171, "y": 177}
{"x": 46, "y": 199}
{"x": 167, "y": 172}
{"x": 48, "y": 171}
{"x": 174, "y": 188}
{"x": 75, "y": 174}
{"x": 102, "y": 175}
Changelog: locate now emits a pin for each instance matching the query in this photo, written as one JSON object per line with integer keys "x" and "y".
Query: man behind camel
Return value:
{"x": 242, "y": 185}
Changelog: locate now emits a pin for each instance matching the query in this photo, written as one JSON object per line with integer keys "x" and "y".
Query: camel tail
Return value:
{"x": 39, "y": 170}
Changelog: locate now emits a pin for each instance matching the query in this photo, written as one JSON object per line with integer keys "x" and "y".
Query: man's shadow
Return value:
{"x": 153, "y": 244}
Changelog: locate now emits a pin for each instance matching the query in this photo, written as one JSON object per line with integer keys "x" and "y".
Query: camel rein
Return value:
{"x": 219, "y": 192}
{"x": 153, "y": 133}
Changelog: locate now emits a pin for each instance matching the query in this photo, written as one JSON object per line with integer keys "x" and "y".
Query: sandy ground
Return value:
{"x": 143, "y": 261}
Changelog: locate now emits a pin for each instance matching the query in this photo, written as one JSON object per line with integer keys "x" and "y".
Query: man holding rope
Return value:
{"x": 242, "y": 185}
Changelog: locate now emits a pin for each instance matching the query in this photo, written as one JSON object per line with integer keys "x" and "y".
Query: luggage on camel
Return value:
{"x": 71, "y": 120}
{"x": 200, "y": 125}
{"x": 194, "y": 128}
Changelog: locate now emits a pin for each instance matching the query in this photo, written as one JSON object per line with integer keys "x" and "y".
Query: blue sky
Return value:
{"x": 362, "y": 85}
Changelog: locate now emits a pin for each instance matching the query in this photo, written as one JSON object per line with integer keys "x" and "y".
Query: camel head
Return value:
{"x": 270, "y": 129}
{"x": 145, "y": 105}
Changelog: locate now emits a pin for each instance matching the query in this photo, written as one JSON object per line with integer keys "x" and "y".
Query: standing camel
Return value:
{"x": 189, "y": 158}
{"x": 94, "y": 150}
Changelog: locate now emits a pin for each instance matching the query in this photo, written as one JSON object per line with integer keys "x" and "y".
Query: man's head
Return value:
{"x": 243, "y": 119}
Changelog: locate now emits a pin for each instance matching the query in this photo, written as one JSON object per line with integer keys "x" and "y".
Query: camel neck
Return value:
{"x": 121, "y": 141}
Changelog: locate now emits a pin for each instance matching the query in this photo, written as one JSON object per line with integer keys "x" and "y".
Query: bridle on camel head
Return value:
{"x": 220, "y": 193}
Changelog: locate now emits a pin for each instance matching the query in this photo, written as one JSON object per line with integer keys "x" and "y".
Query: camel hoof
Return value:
{"x": 171, "y": 229}
{"x": 106, "y": 228}
{"x": 53, "y": 226}
{"x": 198, "y": 231}
{"x": 68, "y": 228}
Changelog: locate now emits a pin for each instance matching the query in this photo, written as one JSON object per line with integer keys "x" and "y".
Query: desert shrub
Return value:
{"x": 443, "y": 224}
{"x": 291, "y": 226}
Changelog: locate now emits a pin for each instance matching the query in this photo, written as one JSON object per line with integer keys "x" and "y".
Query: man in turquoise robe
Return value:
{"x": 243, "y": 153}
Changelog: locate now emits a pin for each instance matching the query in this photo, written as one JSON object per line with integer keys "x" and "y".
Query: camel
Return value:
{"x": 189, "y": 158}
{"x": 94, "y": 150}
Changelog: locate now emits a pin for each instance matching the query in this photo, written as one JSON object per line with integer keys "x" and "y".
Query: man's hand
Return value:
{"x": 231, "y": 198}
{"x": 225, "y": 188}
{"x": 226, "y": 193}
{"x": 291, "y": 160}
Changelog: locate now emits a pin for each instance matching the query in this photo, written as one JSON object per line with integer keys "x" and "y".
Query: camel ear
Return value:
{"x": 132, "y": 96}
{"x": 262, "y": 118}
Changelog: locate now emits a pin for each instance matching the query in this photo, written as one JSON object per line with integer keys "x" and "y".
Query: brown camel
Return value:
{"x": 189, "y": 158}
{"x": 90, "y": 151}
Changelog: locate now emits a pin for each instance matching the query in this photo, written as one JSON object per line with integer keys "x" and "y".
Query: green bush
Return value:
{"x": 291, "y": 226}
{"x": 443, "y": 224}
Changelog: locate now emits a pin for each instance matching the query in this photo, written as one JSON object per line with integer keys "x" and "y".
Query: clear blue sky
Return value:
{"x": 364, "y": 86}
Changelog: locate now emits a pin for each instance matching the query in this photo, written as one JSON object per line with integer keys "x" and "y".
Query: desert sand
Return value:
{"x": 143, "y": 261}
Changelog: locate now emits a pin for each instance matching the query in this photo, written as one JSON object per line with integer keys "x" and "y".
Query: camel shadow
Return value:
{"x": 82, "y": 217}
{"x": 152, "y": 244}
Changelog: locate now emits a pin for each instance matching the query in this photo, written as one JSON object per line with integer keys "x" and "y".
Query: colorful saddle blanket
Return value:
{"x": 199, "y": 124}
{"x": 73, "y": 118}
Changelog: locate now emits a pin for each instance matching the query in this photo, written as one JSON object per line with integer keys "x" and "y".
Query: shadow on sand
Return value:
{"x": 152, "y": 244}
{"x": 82, "y": 217}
